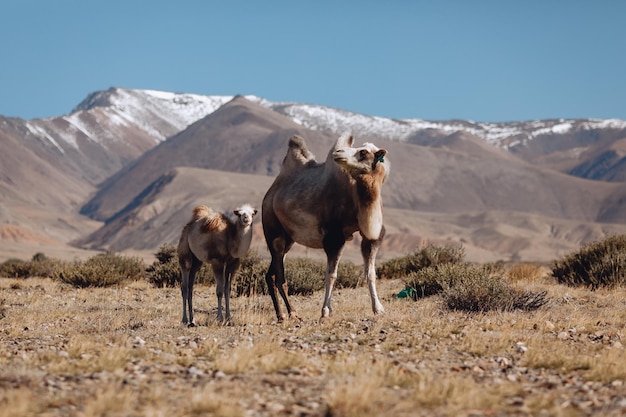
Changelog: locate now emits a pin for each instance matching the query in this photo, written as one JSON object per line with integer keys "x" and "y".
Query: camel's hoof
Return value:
{"x": 325, "y": 315}
{"x": 192, "y": 324}
{"x": 378, "y": 310}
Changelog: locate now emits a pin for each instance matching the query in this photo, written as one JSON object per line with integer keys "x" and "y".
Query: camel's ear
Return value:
{"x": 346, "y": 140}
{"x": 254, "y": 214}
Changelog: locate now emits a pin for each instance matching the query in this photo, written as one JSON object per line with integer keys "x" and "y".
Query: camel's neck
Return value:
{"x": 240, "y": 243}
{"x": 370, "y": 206}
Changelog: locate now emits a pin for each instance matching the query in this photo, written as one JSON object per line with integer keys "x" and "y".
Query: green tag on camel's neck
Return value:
{"x": 380, "y": 158}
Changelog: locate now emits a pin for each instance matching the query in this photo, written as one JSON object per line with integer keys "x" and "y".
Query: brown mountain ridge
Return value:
{"x": 133, "y": 192}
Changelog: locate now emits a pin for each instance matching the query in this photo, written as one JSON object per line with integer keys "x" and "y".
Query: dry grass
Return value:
{"x": 122, "y": 351}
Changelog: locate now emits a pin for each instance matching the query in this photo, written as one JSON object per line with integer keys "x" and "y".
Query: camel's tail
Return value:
{"x": 200, "y": 211}
{"x": 184, "y": 251}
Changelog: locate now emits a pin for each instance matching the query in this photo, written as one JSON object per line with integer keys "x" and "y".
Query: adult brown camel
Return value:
{"x": 321, "y": 205}
{"x": 219, "y": 240}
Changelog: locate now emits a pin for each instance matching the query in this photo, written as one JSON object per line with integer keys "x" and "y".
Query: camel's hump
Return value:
{"x": 202, "y": 211}
{"x": 297, "y": 142}
{"x": 298, "y": 154}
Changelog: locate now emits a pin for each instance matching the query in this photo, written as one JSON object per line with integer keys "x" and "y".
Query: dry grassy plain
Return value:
{"x": 123, "y": 352}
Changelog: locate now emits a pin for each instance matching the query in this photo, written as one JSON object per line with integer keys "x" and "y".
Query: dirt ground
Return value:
{"x": 123, "y": 352}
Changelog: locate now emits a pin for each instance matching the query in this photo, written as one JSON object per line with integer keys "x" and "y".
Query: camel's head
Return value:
{"x": 245, "y": 214}
{"x": 368, "y": 159}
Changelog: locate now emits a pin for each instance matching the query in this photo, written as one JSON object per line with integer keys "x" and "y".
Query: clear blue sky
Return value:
{"x": 435, "y": 60}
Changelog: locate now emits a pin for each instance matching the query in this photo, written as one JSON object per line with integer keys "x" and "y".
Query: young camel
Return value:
{"x": 321, "y": 205}
{"x": 219, "y": 240}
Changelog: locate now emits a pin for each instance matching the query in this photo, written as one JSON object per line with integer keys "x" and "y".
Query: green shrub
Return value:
{"x": 428, "y": 256}
{"x": 101, "y": 270}
{"x": 39, "y": 266}
{"x": 597, "y": 264}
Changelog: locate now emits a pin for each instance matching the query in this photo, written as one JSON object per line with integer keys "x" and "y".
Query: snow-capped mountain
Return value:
{"x": 100, "y": 156}
{"x": 141, "y": 108}
{"x": 161, "y": 114}
{"x": 498, "y": 134}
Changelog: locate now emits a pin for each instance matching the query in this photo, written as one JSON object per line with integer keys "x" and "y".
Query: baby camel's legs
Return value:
{"x": 189, "y": 267}
{"x": 218, "y": 271}
{"x": 229, "y": 275}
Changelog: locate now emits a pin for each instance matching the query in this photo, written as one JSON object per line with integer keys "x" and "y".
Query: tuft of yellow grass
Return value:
{"x": 527, "y": 272}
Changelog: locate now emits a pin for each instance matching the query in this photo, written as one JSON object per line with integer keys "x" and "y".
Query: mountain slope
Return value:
{"x": 460, "y": 174}
{"x": 240, "y": 137}
{"x": 160, "y": 211}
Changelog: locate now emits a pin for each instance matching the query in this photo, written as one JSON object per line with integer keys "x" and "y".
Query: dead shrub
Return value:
{"x": 102, "y": 270}
{"x": 303, "y": 275}
{"x": 165, "y": 270}
{"x": 428, "y": 256}
{"x": 597, "y": 264}
{"x": 471, "y": 288}
{"x": 251, "y": 277}
{"x": 475, "y": 288}
{"x": 39, "y": 266}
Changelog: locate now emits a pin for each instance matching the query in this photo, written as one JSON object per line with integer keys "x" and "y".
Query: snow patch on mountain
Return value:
{"x": 40, "y": 132}
{"x": 161, "y": 114}
{"x": 497, "y": 134}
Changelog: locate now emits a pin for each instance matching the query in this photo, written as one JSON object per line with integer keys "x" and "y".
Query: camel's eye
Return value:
{"x": 362, "y": 154}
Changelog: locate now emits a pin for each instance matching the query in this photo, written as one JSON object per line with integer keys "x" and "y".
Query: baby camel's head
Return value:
{"x": 245, "y": 214}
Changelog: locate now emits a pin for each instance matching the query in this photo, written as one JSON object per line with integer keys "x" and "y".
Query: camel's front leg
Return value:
{"x": 329, "y": 282}
{"x": 333, "y": 246}
{"x": 369, "y": 249}
{"x": 229, "y": 276}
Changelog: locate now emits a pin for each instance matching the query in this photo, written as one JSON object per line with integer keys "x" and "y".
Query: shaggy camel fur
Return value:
{"x": 219, "y": 240}
{"x": 321, "y": 205}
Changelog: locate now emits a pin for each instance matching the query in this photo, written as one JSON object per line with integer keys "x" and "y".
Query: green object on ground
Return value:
{"x": 408, "y": 292}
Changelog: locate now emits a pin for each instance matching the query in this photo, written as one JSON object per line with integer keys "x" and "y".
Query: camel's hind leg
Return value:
{"x": 369, "y": 249}
{"x": 189, "y": 266}
{"x": 275, "y": 278}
